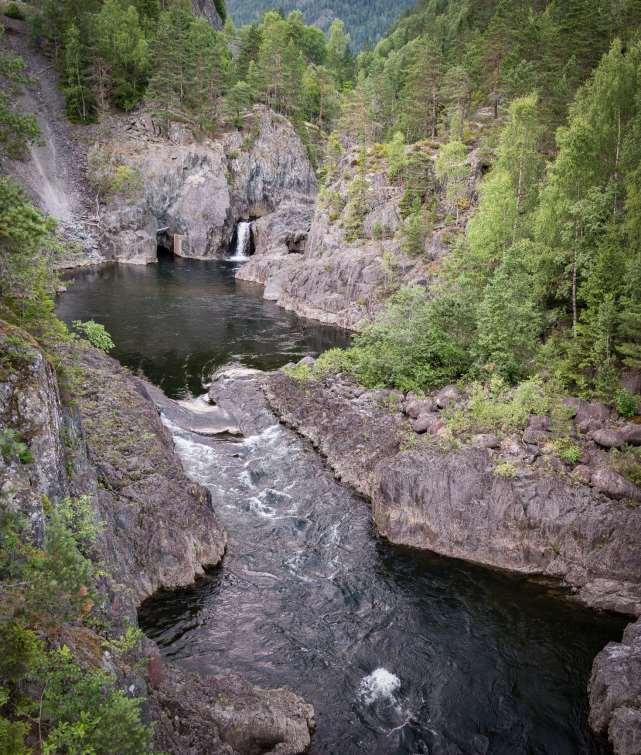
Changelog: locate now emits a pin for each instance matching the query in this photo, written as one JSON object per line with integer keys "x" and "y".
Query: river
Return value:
{"x": 398, "y": 651}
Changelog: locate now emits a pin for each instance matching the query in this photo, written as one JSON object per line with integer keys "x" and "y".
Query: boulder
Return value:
{"x": 427, "y": 423}
{"x": 448, "y": 396}
{"x": 591, "y": 416}
{"x": 486, "y": 440}
{"x": 415, "y": 407}
{"x": 615, "y": 485}
{"x": 615, "y": 692}
{"x": 536, "y": 436}
{"x": 632, "y": 434}
{"x": 539, "y": 422}
{"x": 608, "y": 438}
{"x": 582, "y": 473}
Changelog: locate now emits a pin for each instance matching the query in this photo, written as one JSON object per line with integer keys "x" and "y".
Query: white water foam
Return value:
{"x": 380, "y": 685}
{"x": 243, "y": 238}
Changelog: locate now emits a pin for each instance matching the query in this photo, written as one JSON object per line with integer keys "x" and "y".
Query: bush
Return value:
{"x": 567, "y": 450}
{"x": 506, "y": 470}
{"x": 13, "y": 447}
{"x": 495, "y": 406}
{"x": 14, "y": 11}
{"x": 627, "y": 404}
{"x": 96, "y": 334}
{"x": 408, "y": 346}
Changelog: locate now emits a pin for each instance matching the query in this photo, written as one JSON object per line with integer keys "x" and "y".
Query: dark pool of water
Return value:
{"x": 180, "y": 319}
{"x": 399, "y": 652}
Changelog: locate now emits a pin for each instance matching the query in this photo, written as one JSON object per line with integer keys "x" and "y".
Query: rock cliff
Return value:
{"x": 454, "y": 503}
{"x": 194, "y": 192}
{"x": 101, "y": 436}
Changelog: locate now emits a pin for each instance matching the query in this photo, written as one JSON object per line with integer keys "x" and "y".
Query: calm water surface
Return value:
{"x": 399, "y": 652}
{"x": 180, "y": 319}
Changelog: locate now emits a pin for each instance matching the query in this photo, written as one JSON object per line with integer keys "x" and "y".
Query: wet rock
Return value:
{"x": 615, "y": 485}
{"x": 486, "y": 440}
{"x": 448, "y": 396}
{"x": 427, "y": 423}
{"x": 608, "y": 438}
{"x": 452, "y": 502}
{"x": 615, "y": 692}
{"x": 591, "y": 416}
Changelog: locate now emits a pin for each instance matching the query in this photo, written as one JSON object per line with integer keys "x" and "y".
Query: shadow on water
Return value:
{"x": 398, "y": 651}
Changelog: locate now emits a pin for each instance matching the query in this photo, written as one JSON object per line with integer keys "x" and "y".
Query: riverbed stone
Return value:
{"x": 632, "y": 434}
{"x": 591, "y": 416}
{"x": 427, "y": 423}
{"x": 615, "y": 485}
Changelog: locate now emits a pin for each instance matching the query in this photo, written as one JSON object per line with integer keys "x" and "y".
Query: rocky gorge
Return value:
{"x": 102, "y": 436}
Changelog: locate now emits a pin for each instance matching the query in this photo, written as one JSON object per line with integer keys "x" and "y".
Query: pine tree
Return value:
{"x": 422, "y": 91}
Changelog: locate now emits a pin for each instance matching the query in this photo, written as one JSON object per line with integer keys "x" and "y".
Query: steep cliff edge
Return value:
{"x": 101, "y": 437}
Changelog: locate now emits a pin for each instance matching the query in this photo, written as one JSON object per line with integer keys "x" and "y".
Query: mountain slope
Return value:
{"x": 366, "y": 20}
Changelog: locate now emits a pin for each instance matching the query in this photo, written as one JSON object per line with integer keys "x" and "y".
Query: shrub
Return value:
{"x": 355, "y": 209}
{"x": 627, "y": 461}
{"x": 495, "y": 406}
{"x": 96, "y": 334}
{"x": 299, "y": 372}
{"x": 627, "y": 404}
{"x": 567, "y": 450}
{"x": 13, "y": 447}
{"x": 14, "y": 11}
{"x": 408, "y": 346}
{"x": 505, "y": 469}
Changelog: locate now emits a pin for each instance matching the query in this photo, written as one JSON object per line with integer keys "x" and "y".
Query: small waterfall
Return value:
{"x": 243, "y": 241}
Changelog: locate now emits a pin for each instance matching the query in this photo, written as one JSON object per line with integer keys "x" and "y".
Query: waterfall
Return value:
{"x": 243, "y": 241}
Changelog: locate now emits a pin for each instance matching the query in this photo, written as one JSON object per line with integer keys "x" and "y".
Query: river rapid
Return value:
{"x": 399, "y": 651}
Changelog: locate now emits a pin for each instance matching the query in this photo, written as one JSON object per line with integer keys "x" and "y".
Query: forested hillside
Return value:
{"x": 366, "y": 20}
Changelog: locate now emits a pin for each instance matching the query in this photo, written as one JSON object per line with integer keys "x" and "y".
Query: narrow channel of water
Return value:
{"x": 399, "y": 652}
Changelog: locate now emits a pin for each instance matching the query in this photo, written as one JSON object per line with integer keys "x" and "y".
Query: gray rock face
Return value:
{"x": 335, "y": 281}
{"x": 615, "y": 692}
{"x": 207, "y": 9}
{"x": 160, "y": 530}
{"x": 200, "y": 716}
{"x": 454, "y": 504}
{"x": 197, "y": 192}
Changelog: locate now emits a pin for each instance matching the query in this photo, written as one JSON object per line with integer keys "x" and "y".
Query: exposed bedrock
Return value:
{"x": 198, "y": 191}
{"x": 105, "y": 439}
{"x": 454, "y": 503}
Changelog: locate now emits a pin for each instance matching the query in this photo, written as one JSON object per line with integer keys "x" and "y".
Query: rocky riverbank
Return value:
{"x": 99, "y": 435}
{"x": 454, "y": 497}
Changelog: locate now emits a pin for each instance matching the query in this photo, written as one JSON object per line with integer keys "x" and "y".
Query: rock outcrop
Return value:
{"x": 321, "y": 275}
{"x": 615, "y": 692}
{"x": 196, "y": 192}
{"x": 454, "y": 503}
{"x": 537, "y": 520}
{"x": 101, "y": 436}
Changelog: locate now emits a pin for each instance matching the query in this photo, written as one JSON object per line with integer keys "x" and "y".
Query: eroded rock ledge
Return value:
{"x": 100, "y": 435}
{"x": 454, "y": 503}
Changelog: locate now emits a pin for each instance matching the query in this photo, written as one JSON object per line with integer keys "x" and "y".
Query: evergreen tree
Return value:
{"x": 17, "y": 130}
{"x": 453, "y": 170}
{"x": 421, "y": 94}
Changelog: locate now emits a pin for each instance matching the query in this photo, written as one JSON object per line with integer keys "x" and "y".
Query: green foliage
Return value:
{"x": 13, "y": 10}
{"x": 414, "y": 231}
{"x": 395, "y": 150}
{"x": 28, "y": 246}
{"x": 497, "y": 407}
{"x": 506, "y": 470}
{"x": 13, "y": 447}
{"x": 453, "y": 170}
{"x": 567, "y": 450}
{"x": 96, "y": 334}
{"x": 627, "y": 404}
{"x": 355, "y": 209}
{"x": 408, "y": 346}
{"x": 80, "y": 101}
{"x": 302, "y": 373}
{"x": 17, "y": 130}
